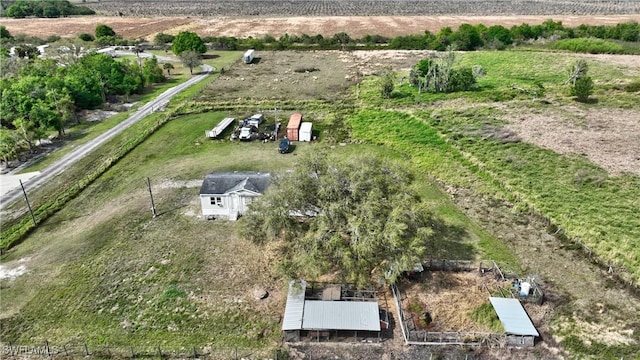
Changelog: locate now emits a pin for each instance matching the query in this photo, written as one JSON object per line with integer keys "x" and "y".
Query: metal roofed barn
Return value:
{"x": 324, "y": 318}
{"x": 295, "y": 306}
{"x": 341, "y": 315}
{"x": 517, "y": 324}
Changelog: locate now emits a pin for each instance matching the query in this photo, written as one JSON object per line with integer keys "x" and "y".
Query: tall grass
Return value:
{"x": 430, "y": 154}
{"x": 590, "y": 46}
{"x": 598, "y": 210}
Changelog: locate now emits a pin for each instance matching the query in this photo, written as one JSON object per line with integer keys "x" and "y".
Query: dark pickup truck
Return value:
{"x": 283, "y": 148}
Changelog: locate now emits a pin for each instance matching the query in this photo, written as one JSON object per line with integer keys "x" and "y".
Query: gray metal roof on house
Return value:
{"x": 513, "y": 317}
{"x": 230, "y": 181}
{"x": 295, "y": 305}
{"x": 341, "y": 315}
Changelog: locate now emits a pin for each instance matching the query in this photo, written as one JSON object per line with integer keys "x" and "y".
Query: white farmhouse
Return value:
{"x": 228, "y": 194}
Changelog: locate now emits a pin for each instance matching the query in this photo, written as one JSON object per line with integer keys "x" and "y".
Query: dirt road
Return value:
{"x": 85, "y": 149}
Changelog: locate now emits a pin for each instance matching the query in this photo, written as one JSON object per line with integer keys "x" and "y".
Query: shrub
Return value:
{"x": 103, "y": 30}
{"x": 86, "y": 37}
{"x": 162, "y": 39}
{"x": 589, "y": 45}
{"x": 583, "y": 88}
{"x": 633, "y": 86}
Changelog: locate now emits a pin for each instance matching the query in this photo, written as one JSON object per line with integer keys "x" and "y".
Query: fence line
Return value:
{"x": 413, "y": 336}
{"x": 397, "y": 297}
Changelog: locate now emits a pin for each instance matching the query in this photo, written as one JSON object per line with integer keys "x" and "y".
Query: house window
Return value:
{"x": 216, "y": 201}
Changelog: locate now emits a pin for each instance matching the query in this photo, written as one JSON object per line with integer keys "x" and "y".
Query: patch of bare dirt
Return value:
{"x": 608, "y": 137}
{"x": 371, "y": 62}
{"x": 449, "y": 297}
{"x": 355, "y": 26}
{"x": 284, "y": 75}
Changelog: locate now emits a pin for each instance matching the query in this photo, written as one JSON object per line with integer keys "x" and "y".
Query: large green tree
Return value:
{"x": 187, "y": 41}
{"x": 357, "y": 216}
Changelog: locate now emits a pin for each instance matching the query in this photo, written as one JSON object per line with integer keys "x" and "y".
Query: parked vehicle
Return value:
{"x": 283, "y": 148}
{"x": 248, "y": 56}
{"x": 256, "y": 120}
{"x": 246, "y": 133}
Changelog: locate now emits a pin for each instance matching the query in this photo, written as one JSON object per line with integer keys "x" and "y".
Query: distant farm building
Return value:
{"x": 228, "y": 194}
{"x": 331, "y": 311}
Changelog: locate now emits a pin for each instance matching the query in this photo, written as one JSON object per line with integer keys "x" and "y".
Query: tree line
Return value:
{"x": 43, "y": 9}
{"x": 466, "y": 37}
{"x": 39, "y": 95}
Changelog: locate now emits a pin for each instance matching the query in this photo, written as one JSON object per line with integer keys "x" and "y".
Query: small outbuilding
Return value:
{"x": 305, "y": 131}
{"x": 293, "y": 128}
{"x": 336, "y": 316}
{"x": 228, "y": 194}
{"x": 515, "y": 320}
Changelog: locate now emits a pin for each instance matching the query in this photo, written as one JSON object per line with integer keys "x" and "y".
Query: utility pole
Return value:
{"x": 153, "y": 205}
{"x": 277, "y": 125}
{"x": 28, "y": 205}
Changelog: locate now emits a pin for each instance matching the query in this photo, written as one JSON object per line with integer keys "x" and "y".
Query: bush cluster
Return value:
{"x": 589, "y": 45}
{"x": 45, "y": 9}
{"x": 467, "y": 37}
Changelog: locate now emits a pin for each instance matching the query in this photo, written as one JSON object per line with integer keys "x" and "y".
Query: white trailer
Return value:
{"x": 219, "y": 128}
{"x": 305, "y": 131}
{"x": 248, "y": 56}
{"x": 256, "y": 120}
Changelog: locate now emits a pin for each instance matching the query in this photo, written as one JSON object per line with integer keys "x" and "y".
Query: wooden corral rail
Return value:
{"x": 398, "y": 298}
{"x": 449, "y": 338}
{"x": 413, "y": 336}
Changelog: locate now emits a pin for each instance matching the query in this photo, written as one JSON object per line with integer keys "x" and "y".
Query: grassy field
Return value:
{"x": 574, "y": 193}
{"x": 102, "y": 271}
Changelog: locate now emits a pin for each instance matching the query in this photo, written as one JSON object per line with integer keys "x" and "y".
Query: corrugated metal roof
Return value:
{"x": 341, "y": 315}
{"x": 513, "y": 316}
{"x": 294, "y": 121}
{"x": 295, "y": 306}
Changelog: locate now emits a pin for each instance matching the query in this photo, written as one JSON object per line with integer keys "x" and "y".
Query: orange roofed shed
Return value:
{"x": 294, "y": 126}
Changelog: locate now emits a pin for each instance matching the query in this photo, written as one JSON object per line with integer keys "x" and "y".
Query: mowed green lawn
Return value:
{"x": 102, "y": 271}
